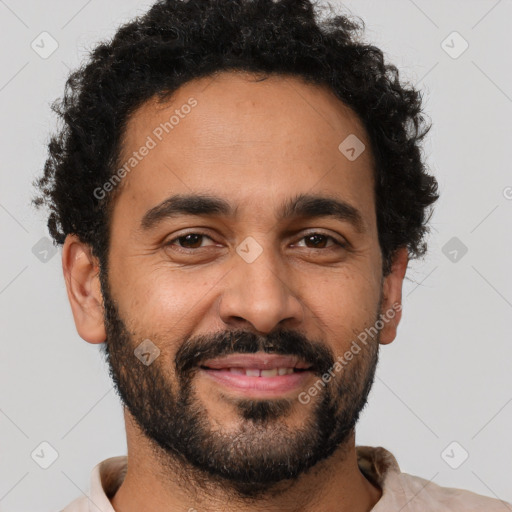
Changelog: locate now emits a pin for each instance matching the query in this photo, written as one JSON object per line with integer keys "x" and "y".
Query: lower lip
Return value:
{"x": 255, "y": 386}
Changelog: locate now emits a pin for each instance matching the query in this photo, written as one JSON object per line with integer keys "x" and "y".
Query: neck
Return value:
{"x": 334, "y": 484}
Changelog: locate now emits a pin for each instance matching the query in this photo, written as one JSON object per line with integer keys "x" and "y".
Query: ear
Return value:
{"x": 81, "y": 273}
{"x": 391, "y": 309}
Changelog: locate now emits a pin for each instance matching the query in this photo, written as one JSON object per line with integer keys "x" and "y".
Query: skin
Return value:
{"x": 254, "y": 144}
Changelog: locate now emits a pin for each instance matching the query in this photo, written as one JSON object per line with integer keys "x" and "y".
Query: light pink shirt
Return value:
{"x": 401, "y": 492}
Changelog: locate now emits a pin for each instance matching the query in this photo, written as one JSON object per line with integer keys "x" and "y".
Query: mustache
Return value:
{"x": 197, "y": 349}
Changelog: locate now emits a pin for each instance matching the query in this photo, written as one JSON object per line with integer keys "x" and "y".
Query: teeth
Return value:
{"x": 251, "y": 372}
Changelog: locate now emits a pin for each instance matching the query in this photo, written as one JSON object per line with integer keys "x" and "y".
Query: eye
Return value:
{"x": 189, "y": 241}
{"x": 319, "y": 241}
{"x": 194, "y": 240}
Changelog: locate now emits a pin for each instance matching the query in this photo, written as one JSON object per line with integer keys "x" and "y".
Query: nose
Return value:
{"x": 259, "y": 294}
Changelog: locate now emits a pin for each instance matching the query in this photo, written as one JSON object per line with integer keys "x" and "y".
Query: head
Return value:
{"x": 238, "y": 177}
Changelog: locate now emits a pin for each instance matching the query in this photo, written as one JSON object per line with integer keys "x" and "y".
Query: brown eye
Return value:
{"x": 318, "y": 241}
{"x": 188, "y": 241}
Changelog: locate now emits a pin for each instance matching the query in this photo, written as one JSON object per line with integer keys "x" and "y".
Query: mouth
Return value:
{"x": 255, "y": 372}
{"x": 257, "y": 375}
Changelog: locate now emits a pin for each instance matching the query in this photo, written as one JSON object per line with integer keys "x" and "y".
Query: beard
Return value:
{"x": 262, "y": 451}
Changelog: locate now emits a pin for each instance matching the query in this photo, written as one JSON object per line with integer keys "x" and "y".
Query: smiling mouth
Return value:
{"x": 258, "y": 375}
{"x": 256, "y": 372}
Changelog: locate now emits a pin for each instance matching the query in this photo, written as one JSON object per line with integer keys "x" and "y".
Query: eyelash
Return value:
{"x": 188, "y": 250}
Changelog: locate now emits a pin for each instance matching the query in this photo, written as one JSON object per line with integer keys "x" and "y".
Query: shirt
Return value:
{"x": 400, "y": 491}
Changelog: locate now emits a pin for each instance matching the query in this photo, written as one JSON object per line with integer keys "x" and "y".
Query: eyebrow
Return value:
{"x": 302, "y": 205}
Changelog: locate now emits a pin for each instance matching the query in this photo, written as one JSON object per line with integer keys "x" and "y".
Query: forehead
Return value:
{"x": 238, "y": 137}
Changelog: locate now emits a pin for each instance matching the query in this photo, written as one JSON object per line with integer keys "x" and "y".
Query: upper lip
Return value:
{"x": 257, "y": 362}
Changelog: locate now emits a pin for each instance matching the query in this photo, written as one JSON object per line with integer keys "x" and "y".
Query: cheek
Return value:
{"x": 344, "y": 303}
{"x": 169, "y": 302}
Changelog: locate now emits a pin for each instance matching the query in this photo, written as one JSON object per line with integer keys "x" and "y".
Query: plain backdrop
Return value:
{"x": 443, "y": 389}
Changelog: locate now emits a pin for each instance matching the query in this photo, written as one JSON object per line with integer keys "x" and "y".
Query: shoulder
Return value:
{"x": 415, "y": 494}
{"x": 425, "y": 494}
{"x": 105, "y": 479}
{"x": 78, "y": 505}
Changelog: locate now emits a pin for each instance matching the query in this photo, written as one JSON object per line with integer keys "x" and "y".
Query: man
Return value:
{"x": 238, "y": 188}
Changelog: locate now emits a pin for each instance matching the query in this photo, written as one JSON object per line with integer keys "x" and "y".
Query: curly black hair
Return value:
{"x": 179, "y": 40}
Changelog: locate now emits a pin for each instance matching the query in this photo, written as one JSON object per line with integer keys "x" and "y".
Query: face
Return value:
{"x": 244, "y": 231}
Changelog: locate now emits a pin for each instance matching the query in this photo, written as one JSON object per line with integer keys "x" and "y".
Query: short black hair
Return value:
{"x": 179, "y": 40}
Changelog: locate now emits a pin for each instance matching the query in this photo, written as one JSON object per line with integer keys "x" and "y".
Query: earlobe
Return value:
{"x": 81, "y": 274}
{"x": 391, "y": 309}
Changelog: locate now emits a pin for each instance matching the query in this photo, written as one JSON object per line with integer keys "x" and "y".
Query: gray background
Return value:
{"x": 445, "y": 378}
